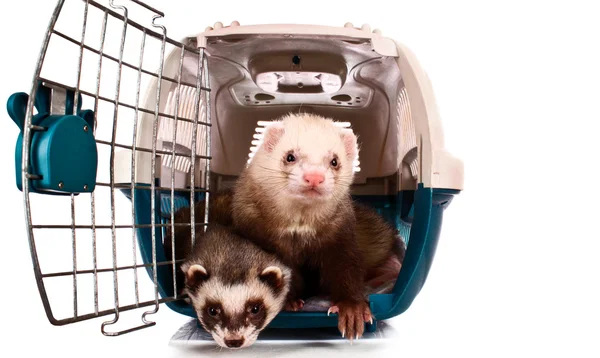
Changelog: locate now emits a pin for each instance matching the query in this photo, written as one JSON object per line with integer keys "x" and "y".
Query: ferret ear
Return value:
{"x": 272, "y": 276}
{"x": 273, "y": 133}
{"x": 350, "y": 143}
{"x": 195, "y": 275}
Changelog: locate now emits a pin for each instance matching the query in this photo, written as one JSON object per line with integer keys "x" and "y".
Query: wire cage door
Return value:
{"x": 92, "y": 153}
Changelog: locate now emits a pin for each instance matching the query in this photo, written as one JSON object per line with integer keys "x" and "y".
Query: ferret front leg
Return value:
{"x": 342, "y": 275}
{"x": 293, "y": 301}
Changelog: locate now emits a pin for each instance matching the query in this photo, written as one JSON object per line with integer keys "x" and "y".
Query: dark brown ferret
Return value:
{"x": 235, "y": 287}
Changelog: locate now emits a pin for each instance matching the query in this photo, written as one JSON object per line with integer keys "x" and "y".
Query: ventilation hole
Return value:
{"x": 247, "y": 96}
{"x": 341, "y": 98}
{"x": 257, "y": 102}
{"x": 357, "y": 97}
{"x": 357, "y": 101}
{"x": 263, "y": 97}
{"x": 300, "y": 84}
{"x": 268, "y": 102}
{"x": 350, "y": 103}
{"x": 296, "y": 60}
{"x": 247, "y": 99}
{"x": 339, "y": 103}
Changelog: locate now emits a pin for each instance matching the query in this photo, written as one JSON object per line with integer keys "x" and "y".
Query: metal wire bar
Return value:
{"x": 84, "y": 26}
{"x": 174, "y": 141}
{"x": 148, "y": 7}
{"x": 208, "y": 137}
{"x": 133, "y": 153}
{"x": 143, "y": 187}
{"x": 126, "y": 64}
{"x": 193, "y": 157}
{"x": 93, "y": 199}
{"x": 120, "y": 268}
{"x": 74, "y": 248}
{"x": 26, "y": 176}
{"x": 112, "y": 101}
{"x": 153, "y": 168}
{"x": 141, "y": 27}
{"x": 74, "y": 112}
{"x": 122, "y": 308}
{"x": 141, "y": 149}
{"x": 100, "y": 227}
{"x": 112, "y": 170}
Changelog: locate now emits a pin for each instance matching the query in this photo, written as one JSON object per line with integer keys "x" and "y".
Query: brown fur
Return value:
{"x": 335, "y": 244}
{"x": 376, "y": 238}
{"x": 219, "y": 212}
{"x": 235, "y": 287}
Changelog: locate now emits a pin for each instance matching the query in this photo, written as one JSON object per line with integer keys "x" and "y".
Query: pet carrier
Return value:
{"x": 104, "y": 132}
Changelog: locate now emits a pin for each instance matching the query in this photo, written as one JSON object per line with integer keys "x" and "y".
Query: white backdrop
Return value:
{"x": 516, "y": 271}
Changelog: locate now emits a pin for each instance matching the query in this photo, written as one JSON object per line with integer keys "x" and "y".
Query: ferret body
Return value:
{"x": 379, "y": 243}
{"x": 293, "y": 200}
{"x": 235, "y": 287}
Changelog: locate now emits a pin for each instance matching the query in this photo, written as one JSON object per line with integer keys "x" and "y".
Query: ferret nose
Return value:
{"x": 234, "y": 343}
{"x": 314, "y": 179}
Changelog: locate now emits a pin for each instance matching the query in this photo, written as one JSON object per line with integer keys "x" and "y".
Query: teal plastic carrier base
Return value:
{"x": 417, "y": 215}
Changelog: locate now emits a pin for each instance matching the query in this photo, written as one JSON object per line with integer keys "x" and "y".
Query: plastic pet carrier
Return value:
{"x": 123, "y": 125}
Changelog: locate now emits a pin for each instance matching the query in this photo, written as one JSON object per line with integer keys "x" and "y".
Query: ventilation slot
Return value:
{"x": 407, "y": 134}
{"x": 185, "y": 125}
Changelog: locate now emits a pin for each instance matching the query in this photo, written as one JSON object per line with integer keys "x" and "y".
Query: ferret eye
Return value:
{"x": 334, "y": 162}
{"x": 213, "y": 312}
{"x": 255, "y": 309}
{"x": 290, "y": 158}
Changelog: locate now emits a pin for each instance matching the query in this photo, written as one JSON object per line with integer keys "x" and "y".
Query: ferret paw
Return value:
{"x": 351, "y": 318}
{"x": 294, "y": 305}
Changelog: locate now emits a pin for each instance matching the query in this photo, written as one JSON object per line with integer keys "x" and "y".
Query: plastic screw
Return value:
{"x": 61, "y": 185}
{"x": 85, "y": 128}
{"x": 85, "y": 187}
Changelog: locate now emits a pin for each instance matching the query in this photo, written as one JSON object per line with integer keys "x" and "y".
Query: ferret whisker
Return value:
{"x": 279, "y": 177}
{"x": 276, "y": 193}
{"x": 275, "y": 181}
{"x": 270, "y": 169}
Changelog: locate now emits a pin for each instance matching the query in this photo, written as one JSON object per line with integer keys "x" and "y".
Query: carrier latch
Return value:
{"x": 63, "y": 157}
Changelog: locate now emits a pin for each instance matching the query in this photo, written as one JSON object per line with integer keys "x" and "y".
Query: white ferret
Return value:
{"x": 294, "y": 200}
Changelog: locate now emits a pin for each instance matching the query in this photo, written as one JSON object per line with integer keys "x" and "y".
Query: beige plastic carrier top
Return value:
{"x": 353, "y": 75}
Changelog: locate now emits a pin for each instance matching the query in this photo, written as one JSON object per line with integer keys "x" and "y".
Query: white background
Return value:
{"x": 516, "y": 271}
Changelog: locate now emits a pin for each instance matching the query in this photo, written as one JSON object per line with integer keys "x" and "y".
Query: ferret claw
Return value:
{"x": 333, "y": 309}
{"x": 343, "y": 333}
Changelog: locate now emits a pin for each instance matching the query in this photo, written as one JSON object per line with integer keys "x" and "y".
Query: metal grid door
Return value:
{"x": 103, "y": 67}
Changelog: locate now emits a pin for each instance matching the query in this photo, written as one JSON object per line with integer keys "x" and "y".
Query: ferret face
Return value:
{"x": 306, "y": 158}
{"x": 235, "y": 314}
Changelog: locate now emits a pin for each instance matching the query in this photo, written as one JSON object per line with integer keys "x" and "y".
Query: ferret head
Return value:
{"x": 235, "y": 313}
{"x": 305, "y": 158}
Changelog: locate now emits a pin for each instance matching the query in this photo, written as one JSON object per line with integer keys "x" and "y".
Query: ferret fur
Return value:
{"x": 313, "y": 232}
{"x": 230, "y": 276}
